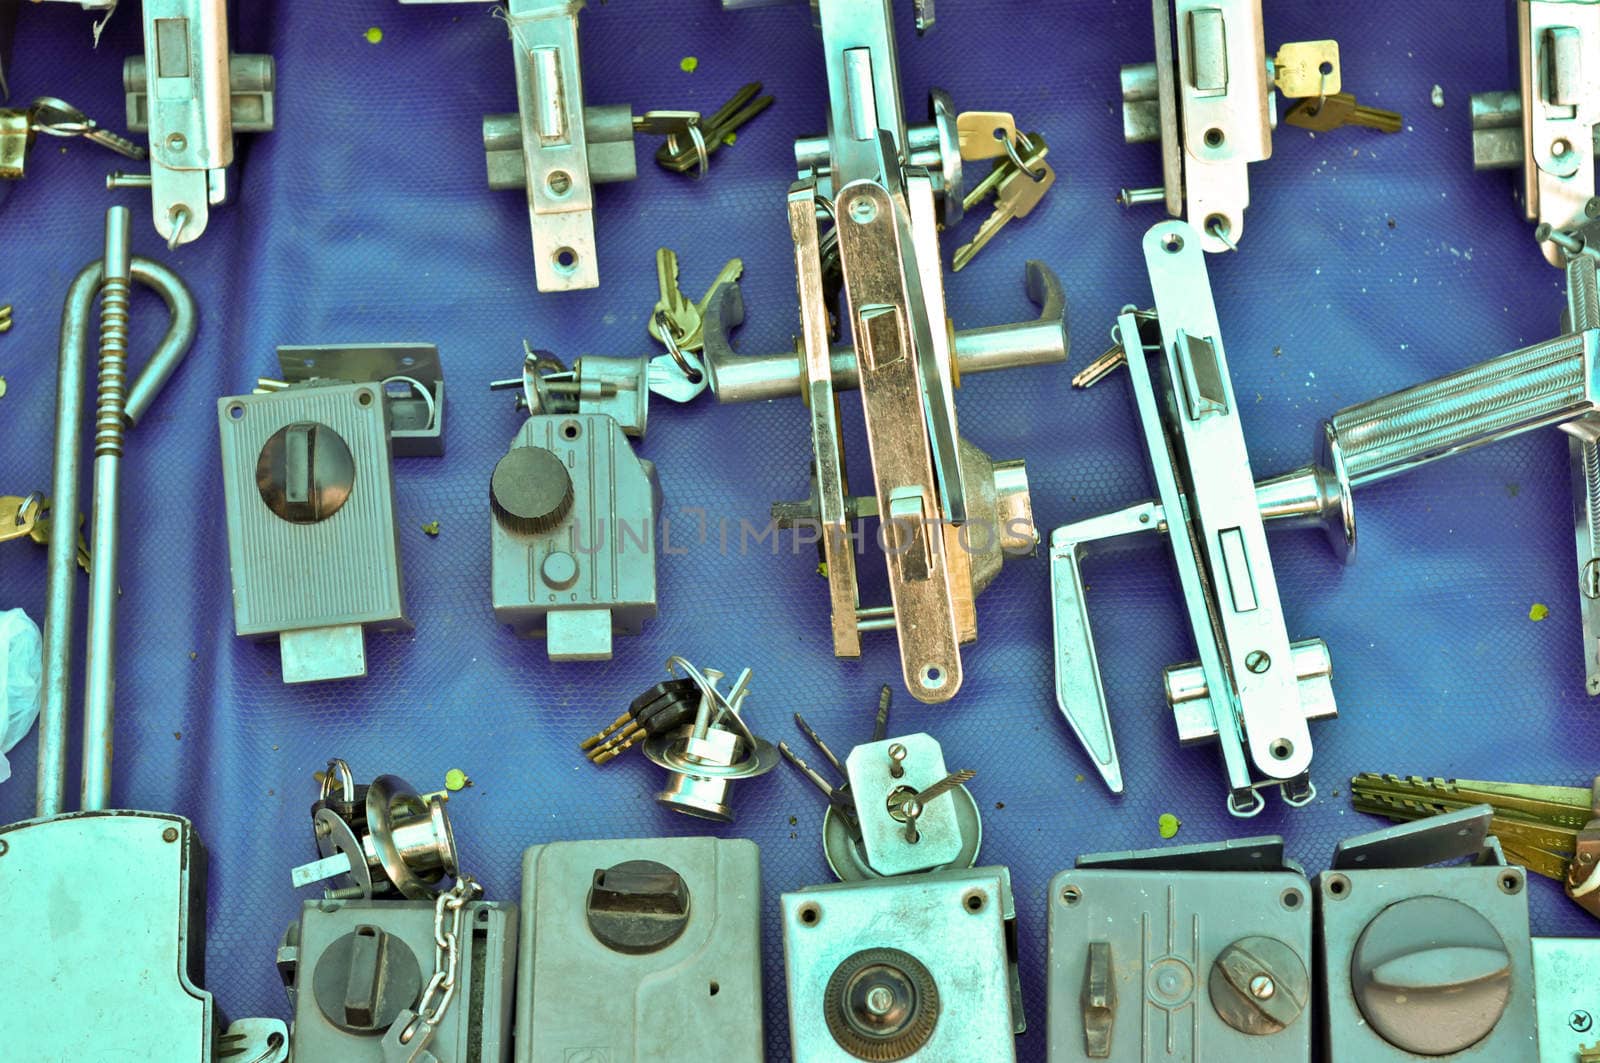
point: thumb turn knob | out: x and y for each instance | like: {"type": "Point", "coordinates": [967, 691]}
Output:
{"type": "Point", "coordinates": [530, 491]}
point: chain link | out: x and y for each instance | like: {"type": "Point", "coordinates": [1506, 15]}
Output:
{"type": "Point", "coordinates": [446, 956]}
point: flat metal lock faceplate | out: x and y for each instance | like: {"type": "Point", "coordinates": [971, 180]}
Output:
{"type": "Point", "coordinates": [573, 549]}
{"type": "Point", "coordinates": [944, 940]}
{"type": "Point", "coordinates": [105, 929]}
{"type": "Point", "coordinates": [877, 790]}
{"type": "Point", "coordinates": [696, 997]}
{"type": "Point", "coordinates": [1180, 965]}
{"type": "Point", "coordinates": [1486, 906]}
{"type": "Point", "coordinates": [316, 580]}
{"type": "Point", "coordinates": [331, 983]}
{"type": "Point", "coordinates": [1567, 996]}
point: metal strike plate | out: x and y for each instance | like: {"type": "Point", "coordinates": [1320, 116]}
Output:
{"type": "Point", "coordinates": [544, 34]}
{"type": "Point", "coordinates": [574, 557]}
{"type": "Point", "coordinates": [581, 999]}
{"type": "Point", "coordinates": [1469, 974]}
{"type": "Point", "coordinates": [878, 794]}
{"type": "Point", "coordinates": [122, 954]}
{"type": "Point", "coordinates": [349, 967]}
{"type": "Point", "coordinates": [320, 576]}
{"type": "Point", "coordinates": [958, 926]}
{"type": "Point", "coordinates": [1199, 953]}
{"type": "Point", "coordinates": [409, 373]}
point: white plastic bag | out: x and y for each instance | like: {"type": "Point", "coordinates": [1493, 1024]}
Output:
{"type": "Point", "coordinates": [21, 671]}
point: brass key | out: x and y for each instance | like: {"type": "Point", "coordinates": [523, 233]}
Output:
{"type": "Point", "coordinates": [1307, 68]}
{"type": "Point", "coordinates": [1338, 110]}
{"type": "Point", "coordinates": [1034, 149]}
{"type": "Point", "coordinates": [732, 271]}
{"type": "Point", "coordinates": [1017, 197]}
{"type": "Point", "coordinates": [673, 309]}
{"type": "Point", "coordinates": [983, 134]}
{"type": "Point", "coordinates": [18, 515]}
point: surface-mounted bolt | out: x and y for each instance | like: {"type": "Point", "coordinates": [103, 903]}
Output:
{"type": "Point", "coordinates": [1580, 1021]}
{"type": "Point", "coordinates": [170, 834]}
{"type": "Point", "coordinates": [1257, 661]}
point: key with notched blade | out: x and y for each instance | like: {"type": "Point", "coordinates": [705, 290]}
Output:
{"type": "Point", "coordinates": [1322, 114]}
{"type": "Point", "coordinates": [1018, 195]}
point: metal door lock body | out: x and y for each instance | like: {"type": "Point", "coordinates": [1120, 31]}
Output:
{"type": "Point", "coordinates": [557, 148]}
{"type": "Point", "coordinates": [882, 185]}
{"type": "Point", "coordinates": [573, 509]}
{"type": "Point", "coordinates": [192, 95]}
{"type": "Point", "coordinates": [1210, 98]}
{"type": "Point", "coordinates": [1184, 954]}
{"type": "Point", "coordinates": [1253, 692]}
{"type": "Point", "coordinates": [640, 949]}
{"type": "Point", "coordinates": [313, 541]}
{"type": "Point", "coordinates": [1549, 124]}
{"type": "Point", "coordinates": [914, 967]}
{"type": "Point", "coordinates": [352, 968]}
{"type": "Point", "coordinates": [1425, 962]}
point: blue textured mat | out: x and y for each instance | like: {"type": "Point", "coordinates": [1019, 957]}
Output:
{"type": "Point", "coordinates": [1369, 262]}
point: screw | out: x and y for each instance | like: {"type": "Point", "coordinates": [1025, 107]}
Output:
{"type": "Point", "coordinates": [170, 834]}
{"type": "Point", "coordinates": [879, 1000]}
{"type": "Point", "coordinates": [897, 754]}
{"type": "Point", "coordinates": [1262, 987]}
{"type": "Point", "coordinates": [1580, 1021]}
{"type": "Point", "coordinates": [912, 808]}
{"type": "Point", "coordinates": [1257, 661]}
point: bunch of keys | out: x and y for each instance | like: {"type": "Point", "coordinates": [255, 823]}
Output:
{"type": "Point", "coordinates": [56, 118]}
{"type": "Point", "coordinates": [709, 134]}
{"type": "Point", "coordinates": [29, 516]}
{"type": "Point", "coordinates": [678, 325]}
{"type": "Point", "coordinates": [1018, 182]}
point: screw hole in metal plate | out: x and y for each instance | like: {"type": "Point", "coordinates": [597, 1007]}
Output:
{"type": "Point", "coordinates": [1337, 887]}
{"type": "Point", "coordinates": [1172, 243]}
{"type": "Point", "coordinates": [570, 430]}
{"type": "Point", "coordinates": [1511, 882]}
{"type": "Point", "coordinates": [810, 914]}
{"type": "Point", "coordinates": [1071, 895]}
{"type": "Point", "coordinates": [975, 900]}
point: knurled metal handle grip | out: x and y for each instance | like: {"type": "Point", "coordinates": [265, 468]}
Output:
{"type": "Point", "coordinates": [1521, 390]}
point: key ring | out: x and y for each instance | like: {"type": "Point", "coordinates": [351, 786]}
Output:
{"type": "Point", "coordinates": [701, 153]}
{"type": "Point", "coordinates": [669, 337]}
{"type": "Point", "coordinates": [1016, 159]}
{"type": "Point", "coordinates": [70, 122]}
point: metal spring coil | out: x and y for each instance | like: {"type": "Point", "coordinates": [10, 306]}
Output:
{"type": "Point", "coordinates": [112, 394]}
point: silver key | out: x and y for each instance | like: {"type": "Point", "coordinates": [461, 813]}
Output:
{"type": "Point", "coordinates": [666, 379]}
{"type": "Point", "coordinates": [58, 118]}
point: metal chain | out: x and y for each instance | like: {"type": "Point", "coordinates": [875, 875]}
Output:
{"type": "Point", "coordinates": [446, 956]}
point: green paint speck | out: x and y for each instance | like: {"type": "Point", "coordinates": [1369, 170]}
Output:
{"type": "Point", "coordinates": [1167, 825]}
{"type": "Point", "coordinates": [1538, 611]}
{"type": "Point", "coordinates": [1512, 489]}
{"type": "Point", "coordinates": [689, 64]}
{"type": "Point", "coordinates": [455, 779]}
{"type": "Point", "coordinates": [730, 138]}
{"type": "Point", "coordinates": [431, 529]}
{"type": "Point", "coordinates": [373, 35]}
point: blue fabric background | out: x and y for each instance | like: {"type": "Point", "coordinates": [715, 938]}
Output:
{"type": "Point", "coordinates": [1369, 262]}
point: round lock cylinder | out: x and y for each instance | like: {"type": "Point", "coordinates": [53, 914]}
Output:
{"type": "Point", "coordinates": [305, 472]}
{"type": "Point", "coordinates": [530, 490]}
{"type": "Point", "coordinates": [1431, 975]}
{"type": "Point", "coordinates": [393, 838]}
{"type": "Point", "coordinates": [365, 979]}
{"type": "Point", "coordinates": [1259, 985]}
{"type": "Point", "coordinates": [881, 1004]}
{"type": "Point", "coordinates": [637, 907]}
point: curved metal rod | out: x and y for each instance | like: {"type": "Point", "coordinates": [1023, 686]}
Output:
{"type": "Point", "coordinates": [71, 386]}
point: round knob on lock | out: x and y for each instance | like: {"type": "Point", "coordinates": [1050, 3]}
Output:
{"type": "Point", "coordinates": [531, 490]}
{"type": "Point", "coordinates": [365, 979]}
{"type": "Point", "coordinates": [638, 906]}
{"type": "Point", "coordinates": [1258, 985]}
{"type": "Point", "coordinates": [1431, 975]}
{"type": "Point", "coordinates": [305, 472]}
